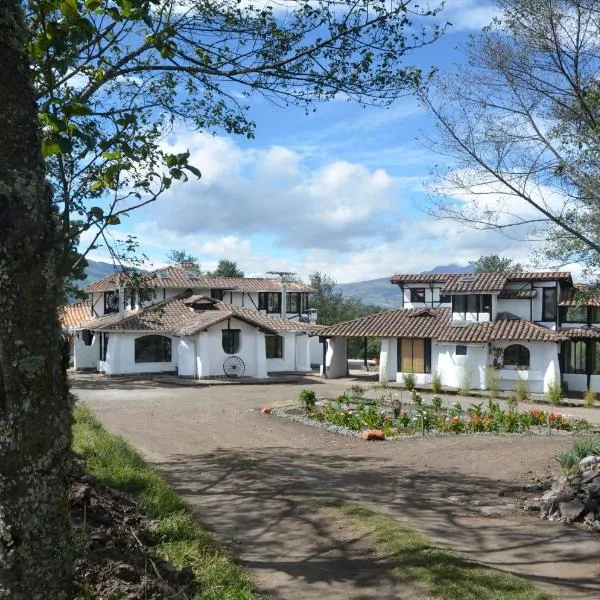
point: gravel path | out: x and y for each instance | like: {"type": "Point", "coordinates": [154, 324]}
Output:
{"type": "Point", "coordinates": [263, 485]}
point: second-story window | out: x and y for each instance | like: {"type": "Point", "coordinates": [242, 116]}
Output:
{"type": "Point", "coordinates": [417, 294]}
{"type": "Point", "coordinates": [549, 304]}
{"type": "Point", "coordinates": [111, 302]}
{"type": "Point", "coordinates": [217, 294]}
{"type": "Point", "coordinates": [269, 301]}
{"type": "Point", "coordinates": [472, 303]}
{"type": "Point", "coordinates": [445, 298]}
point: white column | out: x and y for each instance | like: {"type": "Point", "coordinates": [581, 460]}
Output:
{"type": "Point", "coordinates": [261, 356]}
{"type": "Point", "coordinates": [337, 357]}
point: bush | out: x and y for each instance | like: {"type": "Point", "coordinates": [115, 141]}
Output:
{"type": "Point", "coordinates": [356, 392]}
{"type": "Point", "coordinates": [436, 384]}
{"type": "Point", "coordinates": [465, 385]}
{"type": "Point", "coordinates": [555, 392]}
{"type": "Point", "coordinates": [409, 381]}
{"type": "Point", "coordinates": [569, 460]}
{"type": "Point", "coordinates": [589, 398]}
{"type": "Point", "coordinates": [308, 400]}
{"type": "Point", "coordinates": [436, 402]}
{"type": "Point", "coordinates": [492, 383]}
{"type": "Point", "coordinates": [521, 391]}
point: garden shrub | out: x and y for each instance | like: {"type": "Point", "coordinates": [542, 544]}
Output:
{"type": "Point", "coordinates": [513, 403]}
{"type": "Point", "coordinates": [417, 399]}
{"type": "Point", "coordinates": [589, 398]}
{"type": "Point", "coordinates": [436, 384]}
{"type": "Point", "coordinates": [409, 381]}
{"type": "Point", "coordinates": [569, 459]}
{"type": "Point", "coordinates": [356, 392]}
{"type": "Point", "coordinates": [492, 383]}
{"type": "Point", "coordinates": [308, 400]}
{"type": "Point", "coordinates": [436, 402]}
{"type": "Point", "coordinates": [521, 391]}
{"type": "Point", "coordinates": [465, 384]}
{"type": "Point", "coordinates": [555, 392]}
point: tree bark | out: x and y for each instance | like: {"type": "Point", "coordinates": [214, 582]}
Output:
{"type": "Point", "coordinates": [35, 410]}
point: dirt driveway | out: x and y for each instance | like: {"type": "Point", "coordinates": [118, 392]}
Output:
{"type": "Point", "coordinates": [262, 484]}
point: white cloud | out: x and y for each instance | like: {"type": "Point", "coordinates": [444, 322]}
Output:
{"type": "Point", "coordinates": [468, 15]}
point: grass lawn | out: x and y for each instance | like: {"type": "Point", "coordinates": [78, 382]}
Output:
{"type": "Point", "coordinates": [436, 572]}
{"type": "Point", "coordinates": [178, 538]}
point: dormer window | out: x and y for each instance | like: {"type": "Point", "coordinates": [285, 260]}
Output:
{"type": "Point", "coordinates": [417, 295]}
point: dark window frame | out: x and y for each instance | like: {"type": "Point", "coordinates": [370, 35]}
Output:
{"type": "Point", "coordinates": [153, 349]}
{"type": "Point", "coordinates": [426, 354]}
{"type": "Point", "coordinates": [297, 297]}
{"type": "Point", "coordinates": [461, 350]}
{"type": "Point", "coordinates": [549, 317]}
{"type": "Point", "coordinates": [445, 298]}
{"type": "Point", "coordinates": [103, 345]}
{"type": "Point", "coordinates": [416, 294]}
{"type": "Point", "coordinates": [217, 293]}
{"type": "Point", "coordinates": [274, 346]}
{"type": "Point", "coordinates": [114, 307]}
{"type": "Point", "coordinates": [270, 302]}
{"type": "Point", "coordinates": [521, 358]}
{"type": "Point", "coordinates": [568, 319]}
{"type": "Point", "coordinates": [231, 340]}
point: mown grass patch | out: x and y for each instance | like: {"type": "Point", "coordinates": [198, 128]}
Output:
{"type": "Point", "coordinates": [178, 537]}
{"type": "Point", "coordinates": [436, 572]}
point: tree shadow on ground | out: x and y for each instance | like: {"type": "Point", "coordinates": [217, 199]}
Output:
{"type": "Point", "coordinates": [269, 503]}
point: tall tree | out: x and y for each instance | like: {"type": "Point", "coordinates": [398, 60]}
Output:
{"type": "Point", "coordinates": [35, 411]}
{"type": "Point", "coordinates": [227, 268]}
{"type": "Point", "coordinates": [180, 257]}
{"type": "Point", "coordinates": [492, 263]}
{"type": "Point", "coordinates": [520, 123]}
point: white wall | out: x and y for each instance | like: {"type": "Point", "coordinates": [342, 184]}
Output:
{"type": "Point", "coordinates": [388, 359]}
{"type": "Point", "coordinates": [86, 357]}
{"type": "Point", "coordinates": [316, 350]}
{"type": "Point", "coordinates": [520, 308]}
{"type": "Point", "coordinates": [337, 357]}
{"type": "Point", "coordinates": [288, 362]}
{"type": "Point", "coordinates": [120, 356]}
{"type": "Point", "coordinates": [431, 295]}
{"type": "Point", "coordinates": [455, 370]}
{"type": "Point", "coordinates": [187, 357]}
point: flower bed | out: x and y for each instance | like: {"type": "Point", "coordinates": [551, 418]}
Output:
{"type": "Point", "coordinates": [356, 415]}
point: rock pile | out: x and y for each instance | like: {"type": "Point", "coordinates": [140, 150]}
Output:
{"type": "Point", "coordinates": [575, 499]}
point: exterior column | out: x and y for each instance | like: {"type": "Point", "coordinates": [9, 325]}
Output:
{"type": "Point", "coordinates": [261, 356]}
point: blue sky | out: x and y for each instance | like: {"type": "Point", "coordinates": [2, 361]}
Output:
{"type": "Point", "coordinates": [336, 191]}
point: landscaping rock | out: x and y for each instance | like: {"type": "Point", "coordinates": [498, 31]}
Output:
{"type": "Point", "coordinates": [571, 511]}
{"type": "Point", "coordinates": [589, 462]}
{"type": "Point", "coordinates": [372, 434]}
{"type": "Point", "coordinates": [266, 410]}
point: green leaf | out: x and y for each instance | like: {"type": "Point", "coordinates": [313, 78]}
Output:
{"type": "Point", "coordinates": [96, 212]}
{"type": "Point", "coordinates": [97, 185]}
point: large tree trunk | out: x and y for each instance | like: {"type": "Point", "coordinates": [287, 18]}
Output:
{"type": "Point", "coordinates": [35, 415]}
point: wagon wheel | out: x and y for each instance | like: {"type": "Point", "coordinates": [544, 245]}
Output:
{"type": "Point", "coordinates": [234, 366]}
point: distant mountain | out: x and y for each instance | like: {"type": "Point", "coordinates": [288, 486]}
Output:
{"type": "Point", "coordinates": [380, 292]}
{"type": "Point", "coordinates": [96, 270]}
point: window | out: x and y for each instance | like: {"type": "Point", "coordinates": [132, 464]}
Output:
{"type": "Point", "coordinates": [417, 294]}
{"type": "Point", "coordinates": [576, 314]}
{"type": "Point", "coordinates": [595, 314]}
{"type": "Point", "coordinates": [103, 345]}
{"type": "Point", "coordinates": [87, 337]}
{"type": "Point", "coordinates": [459, 304]}
{"type": "Point", "coordinates": [460, 350]}
{"type": "Point", "coordinates": [230, 340]}
{"type": "Point", "coordinates": [549, 304]}
{"type": "Point", "coordinates": [294, 303]}
{"type": "Point", "coordinates": [414, 355]}
{"type": "Point", "coordinates": [516, 356]}
{"type": "Point", "coordinates": [152, 348]}
{"type": "Point", "coordinates": [575, 353]}
{"type": "Point", "coordinates": [445, 298]}
{"type": "Point", "coordinates": [274, 345]}
{"type": "Point", "coordinates": [146, 295]}
{"type": "Point", "coordinates": [472, 303]}
{"type": "Point", "coordinates": [111, 302]}
{"type": "Point", "coordinates": [269, 301]}
{"type": "Point", "coordinates": [217, 294]}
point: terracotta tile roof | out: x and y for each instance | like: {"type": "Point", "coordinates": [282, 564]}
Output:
{"type": "Point", "coordinates": [435, 323]}
{"type": "Point", "coordinates": [475, 282]}
{"type": "Point", "coordinates": [508, 329]}
{"type": "Point", "coordinates": [517, 294]}
{"type": "Point", "coordinates": [578, 296]}
{"type": "Point", "coordinates": [421, 277]}
{"type": "Point", "coordinates": [72, 315]}
{"type": "Point", "coordinates": [581, 333]}
{"type": "Point", "coordinates": [402, 322]}
{"type": "Point", "coordinates": [564, 276]}
{"type": "Point", "coordinates": [176, 277]}
{"type": "Point", "coordinates": [179, 316]}
{"type": "Point", "coordinates": [97, 323]}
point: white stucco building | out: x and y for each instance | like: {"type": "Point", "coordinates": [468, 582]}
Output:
{"type": "Point", "coordinates": [522, 326]}
{"type": "Point", "coordinates": [214, 328]}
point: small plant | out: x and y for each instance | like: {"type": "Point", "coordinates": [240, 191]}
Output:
{"type": "Point", "coordinates": [308, 400]}
{"type": "Point", "coordinates": [569, 459]}
{"type": "Point", "coordinates": [436, 384]}
{"type": "Point", "coordinates": [436, 402]}
{"type": "Point", "coordinates": [589, 398]}
{"type": "Point", "coordinates": [409, 381]}
{"type": "Point", "coordinates": [512, 403]}
{"type": "Point", "coordinates": [492, 383]}
{"type": "Point", "coordinates": [465, 385]}
{"type": "Point", "coordinates": [521, 391]}
{"type": "Point", "coordinates": [356, 392]}
{"type": "Point", "coordinates": [475, 409]}
{"type": "Point", "coordinates": [417, 399]}
{"type": "Point", "coordinates": [555, 392]}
